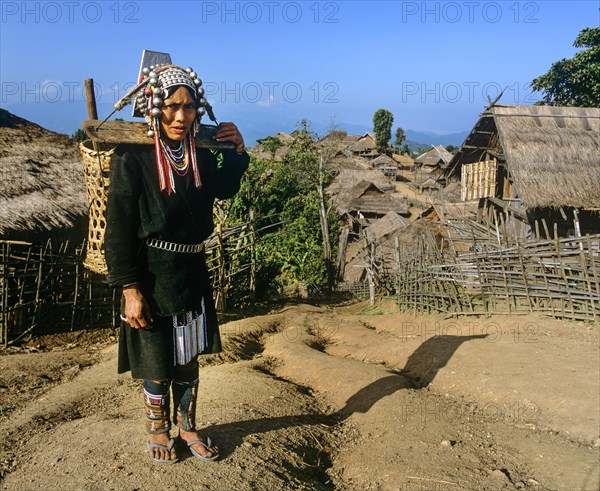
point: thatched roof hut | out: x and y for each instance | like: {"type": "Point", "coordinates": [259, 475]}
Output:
{"type": "Point", "coordinates": [451, 193]}
{"type": "Point", "coordinates": [387, 225]}
{"type": "Point", "coordinates": [368, 199]}
{"type": "Point", "coordinates": [348, 177]}
{"type": "Point", "coordinates": [383, 161]}
{"type": "Point", "coordinates": [437, 156]}
{"type": "Point", "coordinates": [403, 160]}
{"type": "Point", "coordinates": [533, 158]}
{"type": "Point", "coordinates": [427, 186]}
{"type": "Point", "coordinates": [366, 145]}
{"type": "Point", "coordinates": [386, 165]}
{"type": "Point", "coordinates": [284, 137]}
{"type": "Point", "coordinates": [42, 187]}
{"type": "Point", "coordinates": [263, 153]}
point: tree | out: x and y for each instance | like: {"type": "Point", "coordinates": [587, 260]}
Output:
{"type": "Point", "coordinates": [400, 137]}
{"type": "Point", "coordinates": [382, 125]}
{"type": "Point", "coordinates": [79, 136]}
{"type": "Point", "coordinates": [574, 81]}
{"type": "Point", "coordinates": [271, 144]}
{"type": "Point", "coordinates": [290, 194]}
{"type": "Point", "coordinates": [452, 149]}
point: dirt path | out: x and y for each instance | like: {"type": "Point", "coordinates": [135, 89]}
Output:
{"type": "Point", "coordinates": [318, 398]}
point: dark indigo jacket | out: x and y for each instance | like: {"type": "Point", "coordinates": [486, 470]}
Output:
{"type": "Point", "coordinates": [137, 209]}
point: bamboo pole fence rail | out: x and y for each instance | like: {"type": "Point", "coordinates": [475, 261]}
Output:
{"type": "Point", "coordinates": [559, 276]}
{"type": "Point", "coordinates": [45, 288]}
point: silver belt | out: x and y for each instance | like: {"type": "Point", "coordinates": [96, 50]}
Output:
{"type": "Point", "coordinates": [173, 247]}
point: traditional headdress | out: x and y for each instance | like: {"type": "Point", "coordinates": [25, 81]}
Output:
{"type": "Point", "coordinates": [160, 79]}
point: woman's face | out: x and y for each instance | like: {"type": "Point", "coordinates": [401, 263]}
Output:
{"type": "Point", "coordinates": [178, 114]}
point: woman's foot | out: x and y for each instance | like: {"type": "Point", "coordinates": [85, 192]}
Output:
{"type": "Point", "coordinates": [161, 448]}
{"type": "Point", "coordinates": [203, 449]}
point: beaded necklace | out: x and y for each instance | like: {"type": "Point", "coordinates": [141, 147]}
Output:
{"type": "Point", "coordinates": [176, 157]}
{"type": "Point", "coordinates": [179, 159]}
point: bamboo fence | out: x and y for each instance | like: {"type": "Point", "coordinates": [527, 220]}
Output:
{"type": "Point", "coordinates": [46, 288]}
{"type": "Point", "coordinates": [559, 277]}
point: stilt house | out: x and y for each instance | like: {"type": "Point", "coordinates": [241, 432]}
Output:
{"type": "Point", "coordinates": [534, 169]}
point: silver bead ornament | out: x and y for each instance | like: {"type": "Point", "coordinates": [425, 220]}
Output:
{"type": "Point", "coordinates": [198, 82]}
{"type": "Point", "coordinates": [200, 92]}
{"type": "Point", "coordinates": [188, 70]}
{"type": "Point", "coordinates": [153, 81]}
{"type": "Point", "coordinates": [152, 74]}
{"type": "Point", "coordinates": [156, 112]}
{"type": "Point", "coordinates": [151, 67]}
{"type": "Point", "coordinates": [201, 111]}
{"type": "Point", "coordinates": [203, 101]}
{"type": "Point", "coordinates": [157, 91]}
{"type": "Point", "coordinates": [150, 133]}
{"type": "Point", "coordinates": [193, 75]}
{"type": "Point", "coordinates": [145, 70]}
{"type": "Point", "coordinates": [157, 101]}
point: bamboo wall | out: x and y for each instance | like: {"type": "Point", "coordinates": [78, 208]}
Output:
{"type": "Point", "coordinates": [478, 180]}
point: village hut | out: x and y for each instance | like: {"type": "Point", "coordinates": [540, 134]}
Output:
{"type": "Point", "coordinates": [450, 193]}
{"type": "Point", "coordinates": [42, 191]}
{"type": "Point", "coordinates": [263, 153]}
{"type": "Point", "coordinates": [427, 186]}
{"type": "Point", "coordinates": [403, 159]}
{"type": "Point", "coordinates": [348, 177]}
{"type": "Point", "coordinates": [335, 143]}
{"type": "Point", "coordinates": [386, 165]}
{"type": "Point", "coordinates": [435, 157]}
{"type": "Point", "coordinates": [365, 146]}
{"type": "Point", "coordinates": [431, 165]}
{"type": "Point", "coordinates": [386, 226]}
{"type": "Point", "coordinates": [353, 268]}
{"type": "Point", "coordinates": [284, 137]}
{"type": "Point", "coordinates": [43, 224]}
{"type": "Point", "coordinates": [534, 168]}
{"type": "Point", "coordinates": [366, 199]}
{"type": "Point", "coordinates": [335, 136]}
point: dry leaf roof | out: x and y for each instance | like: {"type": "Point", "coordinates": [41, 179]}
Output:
{"type": "Point", "coordinates": [42, 185]}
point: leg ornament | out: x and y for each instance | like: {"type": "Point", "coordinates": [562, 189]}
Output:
{"type": "Point", "coordinates": [184, 402]}
{"type": "Point", "coordinates": [157, 408]}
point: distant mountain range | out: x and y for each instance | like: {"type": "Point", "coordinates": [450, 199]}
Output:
{"type": "Point", "coordinates": [65, 117]}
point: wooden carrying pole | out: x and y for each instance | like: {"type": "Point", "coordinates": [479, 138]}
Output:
{"type": "Point", "coordinates": [90, 101]}
{"type": "Point", "coordinates": [90, 98]}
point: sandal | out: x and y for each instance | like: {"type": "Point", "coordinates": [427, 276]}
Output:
{"type": "Point", "coordinates": [206, 445]}
{"type": "Point", "coordinates": [165, 447]}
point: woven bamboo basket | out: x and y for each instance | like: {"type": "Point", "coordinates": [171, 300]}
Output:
{"type": "Point", "coordinates": [96, 166]}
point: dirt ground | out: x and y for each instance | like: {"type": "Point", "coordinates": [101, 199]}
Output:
{"type": "Point", "coordinates": [316, 398]}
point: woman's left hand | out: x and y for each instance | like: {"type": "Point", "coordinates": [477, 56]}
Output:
{"type": "Point", "coordinates": [230, 133]}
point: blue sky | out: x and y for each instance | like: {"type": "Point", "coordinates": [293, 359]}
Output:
{"type": "Point", "coordinates": [267, 64]}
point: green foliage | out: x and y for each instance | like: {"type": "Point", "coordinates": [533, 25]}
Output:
{"type": "Point", "coordinates": [271, 144]}
{"type": "Point", "coordinates": [286, 191]}
{"type": "Point", "coordinates": [382, 126]}
{"type": "Point", "coordinates": [574, 81]}
{"type": "Point", "coordinates": [452, 149]}
{"type": "Point", "coordinates": [79, 136]}
{"type": "Point", "coordinates": [405, 150]}
{"type": "Point", "coordinates": [400, 137]}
